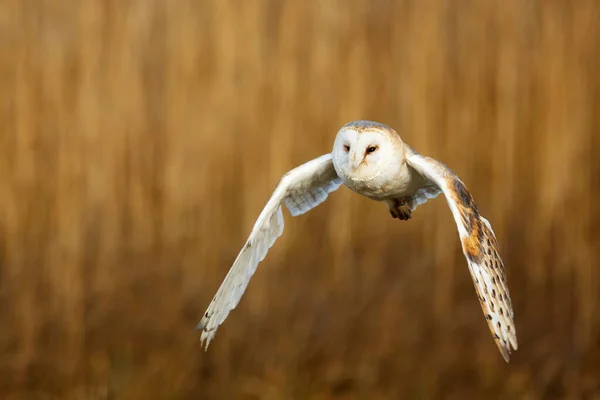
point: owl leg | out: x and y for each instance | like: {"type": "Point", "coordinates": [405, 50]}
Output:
{"type": "Point", "coordinates": [400, 208]}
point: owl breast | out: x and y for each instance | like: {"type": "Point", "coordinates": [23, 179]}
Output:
{"type": "Point", "coordinates": [394, 182]}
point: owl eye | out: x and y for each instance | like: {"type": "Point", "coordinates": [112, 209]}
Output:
{"type": "Point", "coordinates": [371, 149]}
{"type": "Point", "coordinates": [346, 148]}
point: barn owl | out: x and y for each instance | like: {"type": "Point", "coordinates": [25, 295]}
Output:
{"type": "Point", "coordinates": [371, 159]}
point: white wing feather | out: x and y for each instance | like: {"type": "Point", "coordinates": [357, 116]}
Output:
{"type": "Point", "coordinates": [480, 248]}
{"type": "Point", "coordinates": [301, 189]}
{"type": "Point", "coordinates": [423, 194]}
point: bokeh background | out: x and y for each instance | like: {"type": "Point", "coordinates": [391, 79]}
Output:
{"type": "Point", "coordinates": [140, 139]}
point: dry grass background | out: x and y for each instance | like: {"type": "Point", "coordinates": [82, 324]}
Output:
{"type": "Point", "coordinates": [139, 140]}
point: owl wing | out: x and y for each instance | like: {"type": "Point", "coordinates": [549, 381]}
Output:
{"type": "Point", "coordinates": [300, 189]}
{"type": "Point", "coordinates": [480, 248]}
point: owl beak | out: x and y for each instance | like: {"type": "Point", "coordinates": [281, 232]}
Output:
{"type": "Point", "coordinates": [355, 161]}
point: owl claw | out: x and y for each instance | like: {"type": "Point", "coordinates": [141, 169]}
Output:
{"type": "Point", "coordinates": [400, 209]}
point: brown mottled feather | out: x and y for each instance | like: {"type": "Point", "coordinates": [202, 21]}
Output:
{"type": "Point", "coordinates": [481, 250]}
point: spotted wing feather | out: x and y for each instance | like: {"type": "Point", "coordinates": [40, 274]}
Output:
{"type": "Point", "coordinates": [300, 189]}
{"type": "Point", "coordinates": [481, 250]}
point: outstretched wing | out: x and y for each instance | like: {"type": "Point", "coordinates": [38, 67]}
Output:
{"type": "Point", "coordinates": [300, 189]}
{"type": "Point", "coordinates": [480, 248]}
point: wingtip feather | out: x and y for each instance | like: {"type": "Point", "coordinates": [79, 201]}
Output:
{"type": "Point", "coordinates": [206, 338]}
{"type": "Point", "coordinates": [513, 342]}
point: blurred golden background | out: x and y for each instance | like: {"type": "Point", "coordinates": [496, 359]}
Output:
{"type": "Point", "coordinates": [140, 139]}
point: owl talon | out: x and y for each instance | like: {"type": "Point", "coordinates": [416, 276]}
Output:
{"type": "Point", "coordinates": [401, 210]}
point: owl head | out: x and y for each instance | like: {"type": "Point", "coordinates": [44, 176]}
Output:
{"type": "Point", "coordinates": [363, 150]}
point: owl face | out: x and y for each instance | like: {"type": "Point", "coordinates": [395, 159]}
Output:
{"type": "Point", "coordinates": [364, 154]}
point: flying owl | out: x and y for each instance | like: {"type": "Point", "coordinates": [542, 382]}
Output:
{"type": "Point", "coordinates": [371, 159]}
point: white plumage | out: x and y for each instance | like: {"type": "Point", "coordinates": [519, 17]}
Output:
{"type": "Point", "coordinates": [300, 190]}
{"type": "Point", "coordinates": [371, 159]}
